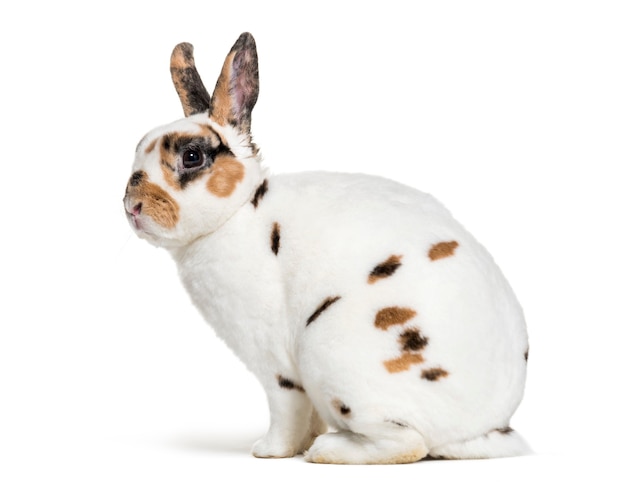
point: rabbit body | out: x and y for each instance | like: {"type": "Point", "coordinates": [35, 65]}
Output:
{"type": "Point", "coordinates": [358, 302]}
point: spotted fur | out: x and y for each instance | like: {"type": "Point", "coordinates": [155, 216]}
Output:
{"type": "Point", "coordinates": [259, 193]}
{"type": "Point", "coordinates": [288, 384]}
{"type": "Point", "coordinates": [275, 238]}
{"type": "Point", "coordinates": [385, 269]}
{"type": "Point", "coordinates": [413, 340]}
{"type": "Point", "coordinates": [403, 362]}
{"type": "Point", "coordinates": [392, 358]}
{"type": "Point", "coordinates": [342, 408]}
{"type": "Point", "coordinates": [442, 250]}
{"type": "Point", "coordinates": [434, 374]}
{"type": "Point", "coordinates": [321, 308]}
{"type": "Point", "coordinates": [393, 315]}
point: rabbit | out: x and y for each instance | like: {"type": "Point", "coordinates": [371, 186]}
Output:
{"type": "Point", "coordinates": [359, 303]}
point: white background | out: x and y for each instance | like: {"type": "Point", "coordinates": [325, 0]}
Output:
{"type": "Point", "coordinates": [511, 113]}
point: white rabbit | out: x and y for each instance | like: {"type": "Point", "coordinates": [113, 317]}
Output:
{"type": "Point", "coordinates": [358, 302]}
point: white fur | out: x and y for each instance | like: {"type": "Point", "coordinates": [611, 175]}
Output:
{"type": "Point", "coordinates": [334, 229]}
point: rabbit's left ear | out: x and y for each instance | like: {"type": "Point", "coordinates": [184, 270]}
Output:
{"type": "Point", "coordinates": [191, 90]}
{"type": "Point", "coordinates": [237, 88]}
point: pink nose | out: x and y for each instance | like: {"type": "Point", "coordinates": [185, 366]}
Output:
{"type": "Point", "coordinates": [137, 209]}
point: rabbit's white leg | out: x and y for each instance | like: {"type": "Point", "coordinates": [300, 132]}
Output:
{"type": "Point", "coordinates": [294, 423]}
{"type": "Point", "coordinates": [384, 443]}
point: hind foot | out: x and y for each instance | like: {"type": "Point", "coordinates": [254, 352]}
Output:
{"type": "Point", "coordinates": [402, 447]}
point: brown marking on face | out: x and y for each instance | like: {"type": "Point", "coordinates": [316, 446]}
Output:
{"type": "Point", "coordinates": [434, 374]}
{"type": "Point", "coordinates": [150, 147]}
{"type": "Point", "coordinates": [442, 250]}
{"type": "Point", "coordinates": [325, 304]}
{"type": "Point", "coordinates": [226, 173]}
{"type": "Point", "coordinates": [403, 363]}
{"type": "Point", "coordinates": [288, 384]}
{"type": "Point", "coordinates": [413, 340]}
{"type": "Point", "coordinates": [342, 408]}
{"type": "Point", "coordinates": [385, 269]}
{"type": "Point", "coordinates": [393, 315]}
{"type": "Point", "coordinates": [168, 160]}
{"type": "Point", "coordinates": [259, 193]}
{"type": "Point", "coordinates": [275, 238]}
{"type": "Point", "coordinates": [221, 107]}
{"type": "Point", "coordinates": [504, 430]}
{"type": "Point", "coordinates": [155, 201]}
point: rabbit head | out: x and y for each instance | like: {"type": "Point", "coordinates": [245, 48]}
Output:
{"type": "Point", "coordinates": [192, 175]}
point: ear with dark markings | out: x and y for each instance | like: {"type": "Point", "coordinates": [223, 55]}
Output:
{"type": "Point", "coordinates": [237, 88]}
{"type": "Point", "coordinates": [189, 86]}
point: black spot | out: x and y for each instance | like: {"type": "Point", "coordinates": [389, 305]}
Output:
{"type": "Point", "coordinates": [136, 178]}
{"type": "Point", "coordinates": [325, 304]}
{"type": "Point", "coordinates": [412, 340]}
{"type": "Point", "coordinates": [385, 269]}
{"type": "Point", "coordinates": [275, 238]}
{"type": "Point", "coordinates": [288, 384]}
{"type": "Point", "coordinates": [260, 192]}
{"type": "Point", "coordinates": [166, 143]}
{"type": "Point", "coordinates": [526, 355]}
{"type": "Point", "coordinates": [399, 424]}
{"type": "Point", "coordinates": [186, 177]}
{"type": "Point", "coordinates": [434, 374]}
{"type": "Point", "coordinates": [344, 410]}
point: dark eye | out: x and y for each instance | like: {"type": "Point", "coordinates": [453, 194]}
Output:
{"type": "Point", "coordinates": [192, 157]}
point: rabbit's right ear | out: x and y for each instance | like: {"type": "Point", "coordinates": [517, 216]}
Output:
{"type": "Point", "coordinates": [237, 88]}
{"type": "Point", "coordinates": [191, 90]}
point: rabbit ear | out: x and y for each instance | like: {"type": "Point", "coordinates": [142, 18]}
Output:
{"type": "Point", "coordinates": [237, 88]}
{"type": "Point", "coordinates": [191, 91]}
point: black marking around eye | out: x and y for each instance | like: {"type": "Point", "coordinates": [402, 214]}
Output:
{"type": "Point", "coordinates": [177, 144]}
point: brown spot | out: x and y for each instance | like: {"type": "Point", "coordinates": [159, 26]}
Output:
{"type": "Point", "coordinates": [155, 202]}
{"type": "Point", "coordinates": [288, 384]}
{"type": "Point", "coordinates": [341, 408]}
{"type": "Point", "coordinates": [442, 250]}
{"type": "Point", "coordinates": [168, 160]}
{"type": "Point", "coordinates": [150, 147]}
{"type": "Point", "coordinates": [505, 430]}
{"type": "Point", "coordinates": [226, 173]}
{"type": "Point", "coordinates": [260, 192]}
{"type": "Point", "coordinates": [393, 316]}
{"type": "Point", "coordinates": [403, 363]}
{"type": "Point", "coordinates": [434, 374]}
{"type": "Point", "coordinates": [526, 354]}
{"type": "Point", "coordinates": [412, 340]}
{"type": "Point", "coordinates": [275, 238]}
{"type": "Point", "coordinates": [325, 304]}
{"type": "Point", "coordinates": [385, 269]}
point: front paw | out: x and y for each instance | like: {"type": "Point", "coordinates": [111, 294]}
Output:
{"type": "Point", "coordinates": [266, 448]}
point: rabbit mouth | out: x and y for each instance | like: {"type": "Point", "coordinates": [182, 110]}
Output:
{"type": "Point", "coordinates": [134, 217]}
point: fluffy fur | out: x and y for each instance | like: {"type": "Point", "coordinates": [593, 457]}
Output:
{"type": "Point", "coordinates": [358, 302]}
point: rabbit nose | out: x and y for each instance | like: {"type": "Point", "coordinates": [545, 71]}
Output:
{"type": "Point", "coordinates": [136, 209]}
